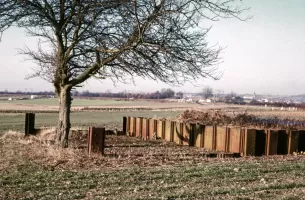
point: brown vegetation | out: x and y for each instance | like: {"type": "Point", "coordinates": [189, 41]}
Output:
{"type": "Point", "coordinates": [121, 151]}
{"type": "Point", "coordinates": [239, 119]}
{"type": "Point", "coordinates": [33, 168]}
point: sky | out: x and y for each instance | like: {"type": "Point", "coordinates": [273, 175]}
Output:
{"type": "Point", "coordinates": [265, 55]}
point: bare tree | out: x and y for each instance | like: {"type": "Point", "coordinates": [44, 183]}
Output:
{"type": "Point", "coordinates": [207, 92]}
{"type": "Point", "coordinates": [117, 39]}
{"type": "Point", "coordinates": [167, 93]}
{"type": "Point", "coordinates": [180, 95]}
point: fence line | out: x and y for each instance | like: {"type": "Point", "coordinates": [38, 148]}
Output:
{"type": "Point", "coordinates": [245, 141]}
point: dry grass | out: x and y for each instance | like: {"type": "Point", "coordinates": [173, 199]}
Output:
{"type": "Point", "coordinates": [33, 168]}
{"type": "Point", "coordinates": [300, 114]}
{"type": "Point", "coordinates": [120, 152]}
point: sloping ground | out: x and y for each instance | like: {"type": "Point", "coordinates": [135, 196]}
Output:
{"type": "Point", "coordinates": [239, 119]}
{"type": "Point", "coordinates": [32, 168]}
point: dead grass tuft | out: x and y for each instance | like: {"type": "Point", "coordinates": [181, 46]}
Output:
{"type": "Point", "coordinates": [11, 135]}
{"type": "Point", "coordinates": [40, 148]}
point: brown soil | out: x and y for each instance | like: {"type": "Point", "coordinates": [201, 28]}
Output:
{"type": "Point", "coordinates": [120, 152]}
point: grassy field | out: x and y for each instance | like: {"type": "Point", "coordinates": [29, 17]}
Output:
{"type": "Point", "coordinates": [32, 168]}
{"type": "Point", "coordinates": [88, 102]}
{"type": "Point", "coordinates": [79, 119]}
{"type": "Point", "coordinates": [133, 169]}
{"type": "Point", "coordinates": [76, 102]}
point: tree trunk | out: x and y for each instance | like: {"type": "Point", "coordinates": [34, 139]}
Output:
{"type": "Point", "coordinates": [64, 124]}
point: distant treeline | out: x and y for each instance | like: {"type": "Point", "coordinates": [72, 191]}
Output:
{"type": "Point", "coordinates": [42, 93]}
{"type": "Point", "coordinates": [163, 94]}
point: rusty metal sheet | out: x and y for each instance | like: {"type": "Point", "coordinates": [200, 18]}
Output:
{"type": "Point", "coordinates": [249, 144]}
{"type": "Point", "coordinates": [127, 126]}
{"type": "Point", "coordinates": [186, 134]}
{"type": "Point", "coordinates": [160, 129]}
{"type": "Point", "coordinates": [293, 141]}
{"type": "Point", "coordinates": [198, 135]}
{"type": "Point", "coordinates": [168, 131]}
{"type": "Point", "coordinates": [242, 141]}
{"type": "Point", "coordinates": [221, 138]}
{"type": "Point", "coordinates": [152, 128]}
{"type": "Point", "coordinates": [178, 132]}
{"type": "Point", "coordinates": [282, 144]}
{"type": "Point", "coordinates": [301, 146]}
{"type": "Point", "coordinates": [209, 137]}
{"type": "Point", "coordinates": [272, 142]}
{"type": "Point", "coordinates": [139, 127]}
{"type": "Point", "coordinates": [145, 124]}
{"type": "Point", "coordinates": [96, 140]}
{"type": "Point", "coordinates": [235, 140]}
{"type": "Point", "coordinates": [132, 126]}
{"type": "Point", "coordinates": [192, 134]}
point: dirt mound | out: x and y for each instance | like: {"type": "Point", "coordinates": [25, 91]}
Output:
{"type": "Point", "coordinates": [207, 118]}
{"type": "Point", "coordinates": [240, 119]}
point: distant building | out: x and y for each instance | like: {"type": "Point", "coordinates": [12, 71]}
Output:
{"type": "Point", "coordinates": [264, 100]}
{"type": "Point", "coordinates": [248, 98]}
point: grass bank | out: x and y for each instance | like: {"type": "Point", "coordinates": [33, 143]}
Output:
{"type": "Point", "coordinates": [12, 121]}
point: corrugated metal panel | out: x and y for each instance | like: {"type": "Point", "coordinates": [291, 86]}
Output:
{"type": "Point", "coordinates": [221, 138]}
{"type": "Point", "coordinates": [152, 128]}
{"type": "Point", "coordinates": [145, 126]}
{"type": "Point", "coordinates": [250, 139]}
{"type": "Point", "coordinates": [209, 137]}
{"type": "Point", "coordinates": [272, 142]}
{"type": "Point", "coordinates": [168, 131]}
{"type": "Point", "coordinates": [235, 136]}
{"type": "Point", "coordinates": [198, 135]}
{"type": "Point", "coordinates": [293, 141]}
{"type": "Point", "coordinates": [160, 129]}
{"type": "Point", "coordinates": [132, 126]}
{"type": "Point", "coordinates": [127, 126]}
{"type": "Point", "coordinates": [178, 133]}
{"type": "Point", "coordinates": [186, 134]}
{"type": "Point", "coordinates": [139, 127]}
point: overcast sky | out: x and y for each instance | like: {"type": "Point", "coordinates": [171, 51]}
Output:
{"type": "Point", "coordinates": [265, 55]}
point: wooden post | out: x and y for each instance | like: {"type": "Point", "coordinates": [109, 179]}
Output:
{"type": "Point", "coordinates": [29, 124]}
{"type": "Point", "coordinates": [96, 140]}
{"type": "Point", "coordinates": [124, 125]}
